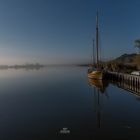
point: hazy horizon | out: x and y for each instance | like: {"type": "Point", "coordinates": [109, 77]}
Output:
{"type": "Point", "coordinates": [61, 32]}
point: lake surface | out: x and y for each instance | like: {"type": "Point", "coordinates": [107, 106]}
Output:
{"type": "Point", "coordinates": [62, 103]}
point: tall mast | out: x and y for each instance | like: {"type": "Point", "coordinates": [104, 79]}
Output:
{"type": "Point", "coordinates": [97, 39]}
{"type": "Point", "coordinates": [93, 57]}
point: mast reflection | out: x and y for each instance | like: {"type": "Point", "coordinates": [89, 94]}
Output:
{"type": "Point", "coordinates": [99, 90]}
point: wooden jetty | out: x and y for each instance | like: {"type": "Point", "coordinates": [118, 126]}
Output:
{"type": "Point", "coordinates": [126, 81]}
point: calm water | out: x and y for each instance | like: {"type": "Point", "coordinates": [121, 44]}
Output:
{"type": "Point", "coordinates": [61, 103]}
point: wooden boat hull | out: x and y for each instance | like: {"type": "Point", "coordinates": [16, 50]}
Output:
{"type": "Point", "coordinates": [96, 75]}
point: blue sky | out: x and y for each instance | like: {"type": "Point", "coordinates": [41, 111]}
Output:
{"type": "Point", "coordinates": [61, 31]}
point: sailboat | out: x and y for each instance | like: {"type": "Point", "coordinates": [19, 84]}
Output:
{"type": "Point", "coordinates": [96, 73]}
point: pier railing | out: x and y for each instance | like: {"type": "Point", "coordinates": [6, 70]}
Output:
{"type": "Point", "coordinates": [126, 81]}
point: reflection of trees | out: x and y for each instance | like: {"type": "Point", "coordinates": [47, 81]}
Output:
{"type": "Point", "coordinates": [3, 67]}
{"type": "Point", "coordinates": [35, 66]}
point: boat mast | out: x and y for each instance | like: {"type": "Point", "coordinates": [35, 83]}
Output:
{"type": "Point", "coordinates": [93, 57]}
{"type": "Point", "coordinates": [97, 39]}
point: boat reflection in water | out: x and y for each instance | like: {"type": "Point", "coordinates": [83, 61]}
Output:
{"type": "Point", "coordinates": [99, 84]}
{"type": "Point", "coordinates": [99, 90]}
